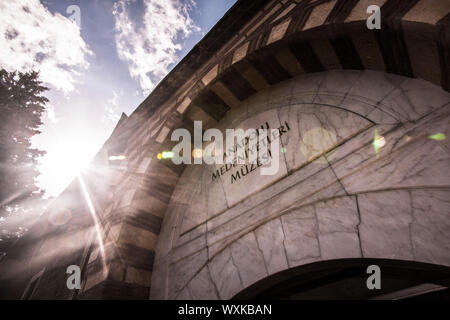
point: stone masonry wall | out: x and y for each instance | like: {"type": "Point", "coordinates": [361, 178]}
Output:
{"type": "Point", "coordinates": [334, 196]}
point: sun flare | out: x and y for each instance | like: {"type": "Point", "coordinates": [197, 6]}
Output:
{"type": "Point", "coordinates": [65, 160]}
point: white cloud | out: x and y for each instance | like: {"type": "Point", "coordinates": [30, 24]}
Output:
{"type": "Point", "coordinates": [111, 114]}
{"type": "Point", "coordinates": [111, 109]}
{"type": "Point", "coordinates": [31, 37]}
{"type": "Point", "coordinates": [150, 48]}
{"type": "Point", "coordinates": [115, 99]}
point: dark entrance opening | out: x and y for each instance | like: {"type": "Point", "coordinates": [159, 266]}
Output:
{"type": "Point", "coordinates": [347, 279]}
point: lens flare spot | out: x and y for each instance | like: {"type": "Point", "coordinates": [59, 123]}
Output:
{"type": "Point", "coordinates": [283, 150]}
{"type": "Point", "coordinates": [73, 240]}
{"type": "Point", "coordinates": [60, 217]}
{"type": "Point", "coordinates": [316, 142]}
{"type": "Point", "coordinates": [378, 142]}
{"type": "Point", "coordinates": [438, 136]}
{"type": "Point", "coordinates": [115, 158]}
{"type": "Point", "coordinates": [197, 153]}
{"type": "Point", "coordinates": [167, 154]}
{"type": "Point", "coordinates": [96, 222]}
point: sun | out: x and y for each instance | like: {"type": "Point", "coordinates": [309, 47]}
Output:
{"type": "Point", "coordinates": [66, 157]}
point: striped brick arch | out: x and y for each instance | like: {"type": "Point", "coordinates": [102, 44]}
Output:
{"type": "Point", "coordinates": [285, 40]}
{"type": "Point", "coordinates": [318, 36]}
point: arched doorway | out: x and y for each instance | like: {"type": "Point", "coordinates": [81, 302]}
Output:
{"type": "Point", "coordinates": [346, 279]}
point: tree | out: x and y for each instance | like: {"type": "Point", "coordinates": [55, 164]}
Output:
{"type": "Point", "coordinates": [21, 107]}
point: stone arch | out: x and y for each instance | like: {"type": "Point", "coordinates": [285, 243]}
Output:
{"type": "Point", "coordinates": [355, 203]}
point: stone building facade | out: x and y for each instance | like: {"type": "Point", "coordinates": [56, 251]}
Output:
{"type": "Point", "coordinates": [338, 203]}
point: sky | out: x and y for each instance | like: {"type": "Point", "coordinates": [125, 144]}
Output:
{"type": "Point", "coordinates": [98, 58]}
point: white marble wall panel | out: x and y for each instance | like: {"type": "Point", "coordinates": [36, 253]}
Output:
{"type": "Point", "coordinates": [306, 88]}
{"type": "Point", "coordinates": [270, 237]}
{"type": "Point", "coordinates": [301, 242]}
{"type": "Point", "coordinates": [316, 129]}
{"type": "Point", "coordinates": [201, 287]}
{"type": "Point", "coordinates": [385, 221]}
{"type": "Point", "coordinates": [280, 95]}
{"type": "Point", "coordinates": [368, 110]}
{"type": "Point", "coordinates": [422, 162]}
{"type": "Point", "coordinates": [249, 259]}
{"type": "Point", "coordinates": [182, 271]}
{"type": "Point", "coordinates": [338, 228]}
{"type": "Point", "coordinates": [413, 99]}
{"type": "Point", "coordinates": [408, 158]}
{"type": "Point", "coordinates": [225, 275]}
{"type": "Point", "coordinates": [430, 228]}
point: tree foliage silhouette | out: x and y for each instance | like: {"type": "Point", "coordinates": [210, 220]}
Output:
{"type": "Point", "coordinates": [21, 107]}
